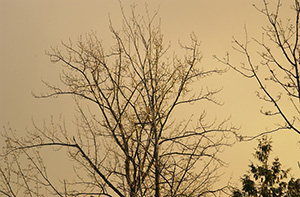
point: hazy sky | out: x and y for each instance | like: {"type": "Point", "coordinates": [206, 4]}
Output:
{"type": "Point", "coordinates": [28, 28]}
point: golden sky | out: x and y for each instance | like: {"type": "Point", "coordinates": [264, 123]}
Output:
{"type": "Point", "coordinates": [28, 28]}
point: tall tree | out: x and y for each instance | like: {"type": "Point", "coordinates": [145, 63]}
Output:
{"type": "Point", "coordinates": [128, 143]}
{"type": "Point", "coordinates": [265, 179]}
{"type": "Point", "coordinates": [276, 67]}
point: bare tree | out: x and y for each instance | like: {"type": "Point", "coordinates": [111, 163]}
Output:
{"type": "Point", "coordinates": [276, 67]}
{"type": "Point", "coordinates": [128, 142]}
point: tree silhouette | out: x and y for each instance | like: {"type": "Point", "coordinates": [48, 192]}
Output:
{"type": "Point", "coordinates": [265, 179]}
{"type": "Point", "coordinates": [127, 142]}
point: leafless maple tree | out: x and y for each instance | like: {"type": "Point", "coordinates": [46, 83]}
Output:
{"type": "Point", "coordinates": [276, 66]}
{"type": "Point", "coordinates": [128, 142]}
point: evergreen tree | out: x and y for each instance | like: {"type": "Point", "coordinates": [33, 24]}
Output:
{"type": "Point", "coordinates": [265, 179]}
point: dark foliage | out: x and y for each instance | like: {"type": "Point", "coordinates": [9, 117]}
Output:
{"type": "Point", "coordinates": [265, 178]}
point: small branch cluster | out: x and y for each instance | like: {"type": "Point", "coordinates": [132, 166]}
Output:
{"type": "Point", "coordinates": [277, 73]}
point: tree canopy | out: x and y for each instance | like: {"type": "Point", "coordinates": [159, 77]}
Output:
{"type": "Point", "coordinates": [126, 143]}
{"type": "Point", "coordinates": [267, 178]}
